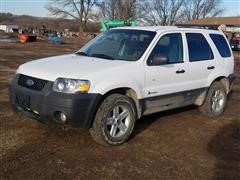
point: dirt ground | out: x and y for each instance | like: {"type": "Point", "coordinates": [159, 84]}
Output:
{"type": "Point", "coordinates": [177, 144]}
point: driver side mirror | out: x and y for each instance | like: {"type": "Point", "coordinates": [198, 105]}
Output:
{"type": "Point", "coordinates": [159, 59]}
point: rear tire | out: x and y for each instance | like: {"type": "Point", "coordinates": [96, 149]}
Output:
{"type": "Point", "coordinates": [114, 120]}
{"type": "Point", "coordinates": [215, 101]}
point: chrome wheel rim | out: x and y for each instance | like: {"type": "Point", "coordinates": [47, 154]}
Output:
{"type": "Point", "coordinates": [217, 101]}
{"type": "Point", "coordinates": [118, 121]}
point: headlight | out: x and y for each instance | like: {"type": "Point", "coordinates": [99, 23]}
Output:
{"type": "Point", "coordinates": [71, 85]}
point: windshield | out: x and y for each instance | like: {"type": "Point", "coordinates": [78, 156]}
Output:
{"type": "Point", "coordinates": [119, 44]}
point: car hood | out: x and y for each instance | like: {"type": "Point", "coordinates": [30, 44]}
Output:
{"type": "Point", "coordinates": [68, 66]}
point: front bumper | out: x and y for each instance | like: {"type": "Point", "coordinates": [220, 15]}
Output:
{"type": "Point", "coordinates": [44, 105]}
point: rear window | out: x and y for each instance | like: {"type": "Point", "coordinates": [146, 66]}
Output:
{"type": "Point", "coordinates": [198, 47]}
{"type": "Point", "coordinates": [221, 44]}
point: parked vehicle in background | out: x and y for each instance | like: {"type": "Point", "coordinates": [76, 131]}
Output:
{"type": "Point", "coordinates": [124, 74]}
{"type": "Point", "coordinates": [235, 44]}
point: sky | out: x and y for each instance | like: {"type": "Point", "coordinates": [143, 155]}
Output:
{"type": "Point", "coordinates": [36, 7]}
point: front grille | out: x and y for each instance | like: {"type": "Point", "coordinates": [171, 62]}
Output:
{"type": "Point", "coordinates": [38, 84]}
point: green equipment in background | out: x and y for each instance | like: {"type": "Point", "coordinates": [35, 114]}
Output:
{"type": "Point", "coordinates": [108, 24]}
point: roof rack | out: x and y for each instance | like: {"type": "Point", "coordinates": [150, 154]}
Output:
{"type": "Point", "coordinates": [199, 26]}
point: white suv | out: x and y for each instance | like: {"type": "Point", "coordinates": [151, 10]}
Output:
{"type": "Point", "coordinates": [126, 73]}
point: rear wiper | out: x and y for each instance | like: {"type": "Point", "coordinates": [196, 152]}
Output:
{"type": "Point", "coordinates": [81, 53]}
{"type": "Point", "coordinates": [102, 56]}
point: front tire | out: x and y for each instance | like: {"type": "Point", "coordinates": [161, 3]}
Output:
{"type": "Point", "coordinates": [215, 102]}
{"type": "Point", "coordinates": [114, 120]}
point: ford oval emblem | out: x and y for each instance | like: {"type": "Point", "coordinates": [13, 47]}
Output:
{"type": "Point", "coordinates": [30, 82]}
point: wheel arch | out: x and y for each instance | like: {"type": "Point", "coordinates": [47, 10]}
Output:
{"type": "Point", "coordinates": [224, 80]}
{"type": "Point", "coordinates": [129, 92]}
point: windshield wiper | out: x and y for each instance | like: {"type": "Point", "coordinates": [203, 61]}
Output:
{"type": "Point", "coordinates": [104, 56]}
{"type": "Point", "coordinates": [81, 53]}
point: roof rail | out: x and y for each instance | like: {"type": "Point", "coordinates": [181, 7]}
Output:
{"type": "Point", "coordinates": [199, 26]}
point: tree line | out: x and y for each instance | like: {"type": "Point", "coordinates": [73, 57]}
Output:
{"type": "Point", "coordinates": [146, 12]}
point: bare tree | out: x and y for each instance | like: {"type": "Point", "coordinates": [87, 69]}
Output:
{"type": "Point", "coordinates": [76, 9]}
{"type": "Point", "coordinates": [160, 12]}
{"type": "Point", "coordinates": [108, 9]}
{"type": "Point", "coordinates": [152, 12]}
{"type": "Point", "coordinates": [117, 9]}
{"type": "Point", "coordinates": [196, 9]}
{"type": "Point", "coordinates": [127, 9]}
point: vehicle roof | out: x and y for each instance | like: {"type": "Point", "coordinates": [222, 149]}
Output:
{"type": "Point", "coordinates": [164, 28]}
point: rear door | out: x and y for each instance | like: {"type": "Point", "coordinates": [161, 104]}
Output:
{"type": "Point", "coordinates": [201, 60]}
{"type": "Point", "coordinates": [225, 58]}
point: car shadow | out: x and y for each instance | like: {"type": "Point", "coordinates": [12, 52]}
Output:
{"type": "Point", "coordinates": [225, 146]}
{"type": "Point", "coordinates": [146, 121]}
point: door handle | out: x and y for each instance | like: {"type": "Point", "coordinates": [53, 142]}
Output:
{"type": "Point", "coordinates": [180, 71]}
{"type": "Point", "coordinates": [210, 67]}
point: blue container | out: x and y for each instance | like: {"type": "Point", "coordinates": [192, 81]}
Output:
{"type": "Point", "coordinates": [54, 38]}
{"type": "Point", "coordinates": [57, 40]}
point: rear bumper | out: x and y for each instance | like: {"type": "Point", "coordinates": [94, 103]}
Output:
{"type": "Point", "coordinates": [44, 105]}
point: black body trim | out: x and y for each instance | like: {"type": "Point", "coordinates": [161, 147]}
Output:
{"type": "Point", "coordinates": [170, 101]}
{"type": "Point", "coordinates": [42, 105]}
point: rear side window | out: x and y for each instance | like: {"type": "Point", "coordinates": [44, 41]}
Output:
{"type": "Point", "coordinates": [198, 47]}
{"type": "Point", "coordinates": [221, 45]}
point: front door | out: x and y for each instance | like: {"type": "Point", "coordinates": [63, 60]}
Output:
{"type": "Point", "coordinates": [171, 77]}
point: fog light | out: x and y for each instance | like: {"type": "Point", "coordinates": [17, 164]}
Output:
{"type": "Point", "coordinates": [60, 117]}
{"type": "Point", "coordinates": [63, 117]}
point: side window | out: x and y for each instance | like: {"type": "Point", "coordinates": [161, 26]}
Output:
{"type": "Point", "coordinates": [170, 46]}
{"type": "Point", "coordinates": [221, 45]}
{"type": "Point", "coordinates": [198, 47]}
